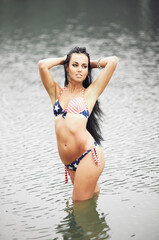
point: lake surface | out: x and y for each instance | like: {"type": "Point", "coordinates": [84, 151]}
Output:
{"type": "Point", "coordinates": [34, 201]}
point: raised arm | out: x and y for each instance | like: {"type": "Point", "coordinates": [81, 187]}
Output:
{"type": "Point", "coordinates": [109, 65]}
{"type": "Point", "coordinates": [51, 86]}
{"type": "Point", "coordinates": [97, 87]}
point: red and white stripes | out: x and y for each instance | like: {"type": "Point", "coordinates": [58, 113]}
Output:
{"type": "Point", "coordinates": [95, 155]}
{"type": "Point", "coordinates": [61, 92]}
{"type": "Point", "coordinates": [66, 177]}
{"type": "Point", "coordinates": [76, 105]}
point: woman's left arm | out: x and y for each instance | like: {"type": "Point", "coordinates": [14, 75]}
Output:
{"type": "Point", "coordinates": [109, 65]}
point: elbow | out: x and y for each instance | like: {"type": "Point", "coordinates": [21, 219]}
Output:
{"type": "Point", "coordinates": [114, 60]}
{"type": "Point", "coordinates": [41, 64]}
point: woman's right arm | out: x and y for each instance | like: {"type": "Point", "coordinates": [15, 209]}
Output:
{"type": "Point", "coordinates": [51, 86]}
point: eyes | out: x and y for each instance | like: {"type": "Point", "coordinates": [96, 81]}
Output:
{"type": "Point", "coordinates": [76, 65]}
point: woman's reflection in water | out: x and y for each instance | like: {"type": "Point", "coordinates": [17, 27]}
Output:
{"type": "Point", "coordinates": [83, 221]}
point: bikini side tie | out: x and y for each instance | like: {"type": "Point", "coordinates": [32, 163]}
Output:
{"type": "Point", "coordinates": [66, 177]}
{"type": "Point", "coordinates": [95, 155]}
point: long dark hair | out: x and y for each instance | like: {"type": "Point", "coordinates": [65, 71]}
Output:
{"type": "Point", "coordinates": [93, 123]}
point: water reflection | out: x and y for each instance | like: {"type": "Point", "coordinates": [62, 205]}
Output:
{"type": "Point", "coordinates": [83, 221]}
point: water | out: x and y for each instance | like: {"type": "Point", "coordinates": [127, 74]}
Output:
{"type": "Point", "coordinates": [34, 201]}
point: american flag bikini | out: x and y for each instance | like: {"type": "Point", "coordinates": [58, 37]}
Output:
{"type": "Point", "coordinates": [76, 106]}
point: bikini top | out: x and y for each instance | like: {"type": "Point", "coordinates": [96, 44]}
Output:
{"type": "Point", "coordinates": [76, 106]}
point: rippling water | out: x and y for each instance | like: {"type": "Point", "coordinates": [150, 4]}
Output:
{"type": "Point", "coordinates": [34, 201]}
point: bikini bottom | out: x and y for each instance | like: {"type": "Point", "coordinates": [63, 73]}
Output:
{"type": "Point", "coordinates": [73, 165]}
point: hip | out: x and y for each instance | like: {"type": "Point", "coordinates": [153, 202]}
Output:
{"type": "Point", "coordinates": [74, 148]}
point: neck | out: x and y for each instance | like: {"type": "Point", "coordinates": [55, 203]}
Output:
{"type": "Point", "coordinates": [75, 87]}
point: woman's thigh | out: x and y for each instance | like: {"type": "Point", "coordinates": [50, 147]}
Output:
{"type": "Point", "coordinates": [72, 176]}
{"type": "Point", "coordinates": [86, 176]}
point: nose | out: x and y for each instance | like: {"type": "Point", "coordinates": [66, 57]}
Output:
{"type": "Point", "coordinates": [79, 68]}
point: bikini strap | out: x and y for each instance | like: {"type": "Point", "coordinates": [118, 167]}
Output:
{"type": "Point", "coordinates": [94, 154]}
{"type": "Point", "coordinates": [61, 92]}
{"type": "Point", "coordinates": [66, 177]}
{"type": "Point", "coordinates": [83, 90]}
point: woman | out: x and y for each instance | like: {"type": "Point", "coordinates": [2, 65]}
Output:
{"type": "Point", "coordinates": [75, 109]}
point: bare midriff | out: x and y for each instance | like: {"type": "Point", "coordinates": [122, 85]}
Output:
{"type": "Point", "coordinates": [73, 139]}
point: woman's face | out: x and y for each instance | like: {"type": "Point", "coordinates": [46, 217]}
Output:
{"type": "Point", "coordinates": [78, 67]}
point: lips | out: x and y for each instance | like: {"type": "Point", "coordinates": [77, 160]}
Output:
{"type": "Point", "coordinates": [78, 75]}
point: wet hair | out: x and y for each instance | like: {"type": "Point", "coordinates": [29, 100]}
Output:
{"type": "Point", "coordinates": [93, 120]}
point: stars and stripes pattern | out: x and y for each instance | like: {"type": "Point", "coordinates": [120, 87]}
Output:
{"type": "Point", "coordinates": [57, 108]}
{"type": "Point", "coordinates": [66, 177]}
{"type": "Point", "coordinates": [76, 105]}
{"type": "Point", "coordinates": [73, 166]}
